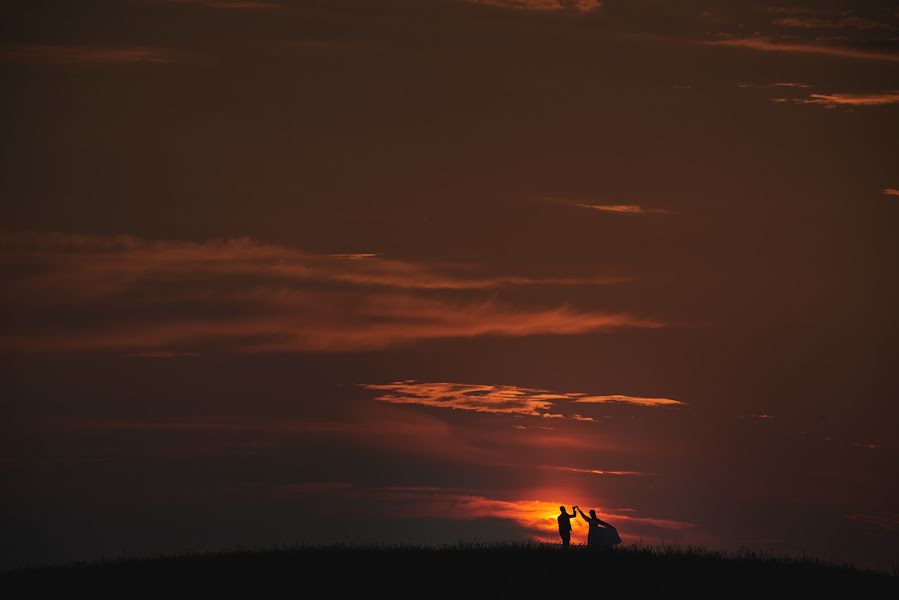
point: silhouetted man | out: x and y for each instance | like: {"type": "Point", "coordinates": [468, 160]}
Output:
{"type": "Point", "coordinates": [565, 526]}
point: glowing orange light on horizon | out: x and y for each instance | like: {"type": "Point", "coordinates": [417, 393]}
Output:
{"type": "Point", "coordinates": [538, 517]}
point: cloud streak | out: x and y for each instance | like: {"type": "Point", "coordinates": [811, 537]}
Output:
{"type": "Point", "coordinates": [231, 4]}
{"type": "Point", "coordinates": [845, 99]}
{"type": "Point", "coordinates": [69, 292]}
{"type": "Point", "coordinates": [783, 84]}
{"type": "Point", "coordinates": [885, 521]}
{"type": "Point", "coordinates": [635, 400]}
{"type": "Point", "coordinates": [544, 6]}
{"type": "Point", "coordinates": [624, 209]}
{"type": "Point", "coordinates": [88, 55]}
{"type": "Point", "coordinates": [846, 22]}
{"type": "Point", "coordinates": [768, 44]}
{"type": "Point", "coordinates": [592, 471]}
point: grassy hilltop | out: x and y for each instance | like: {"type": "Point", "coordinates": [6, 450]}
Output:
{"type": "Point", "coordinates": [527, 567]}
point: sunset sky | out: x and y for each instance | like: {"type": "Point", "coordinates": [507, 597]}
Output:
{"type": "Point", "coordinates": [423, 270]}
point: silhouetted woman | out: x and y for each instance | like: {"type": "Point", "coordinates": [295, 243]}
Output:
{"type": "Point", "coordinates": [600, 534]}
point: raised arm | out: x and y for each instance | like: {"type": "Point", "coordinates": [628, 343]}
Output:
{"type": "Point", "coordinates": [583, 516]}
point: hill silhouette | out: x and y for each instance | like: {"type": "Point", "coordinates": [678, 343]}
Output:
{"type": "Point", "coordinates": [521, 568]}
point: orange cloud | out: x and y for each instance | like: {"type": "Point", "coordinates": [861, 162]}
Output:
{"type": "Point", "coordinates": [637, 400]}
{"type": "Point", "coordinates": [834, 100]}
{"type": "Point", "coordinates": [629, 209]}
{"type": "Point", "coordinates": [499, 399]}
{"type": "Point", "coordinates": [891, 192]}
{"type": "Point", "coordinates": [120, 292]}
{"type": "Point", "coordinates": [773, 45]}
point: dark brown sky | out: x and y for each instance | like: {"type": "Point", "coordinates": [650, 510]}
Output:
{"type": "Point", "coordinates": [424, 270]}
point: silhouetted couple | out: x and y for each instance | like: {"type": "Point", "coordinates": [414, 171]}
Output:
{"type": "Point", "coordinates": [601, 535]}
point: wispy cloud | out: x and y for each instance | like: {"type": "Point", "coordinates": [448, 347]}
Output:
{"type": "Point", "coordinates": [86, 55]}
{"type": "Point", "coordinates": [891, 192]}
{"type": "Point", "coordinates": [163, 354]}
{"type": "Point", "coordinates": [783, 84]}
{"type": "Point", "coordinates": [592, 471]}
{"type": "Point", "coordinates": [761, 416]}
{"type": "Point", "coordinates": [71, 292]}
{"type": "Point", "coordinates": [883, 520]}
{"type": "Point", "coordinates": [868, 445]}
{"type": "Point", "coordinates": [636, 400]}
{"type": "Point", "coordinates": [844, 22]}
{"type": "Point", "coordinates": [359, 256]}
{"type": "Point", "coordinates": [580, 6]}
{"type": "Point", "coordinates": [315, 487]}
{"type": "Point", "coordinates": [231, 4]}
{"type": "Point", "coordinates": [791, 10]}
{"type": "Point", "coordinates": [768, 44]}
{"type": "Point", "coordinates": [848, 99]}
{"type": "Point", "coordinates": [530, 5]}
{"type": "Point", "coordinates": [286, 426]}
{"type": "Point", "coordinates": [627, 209]}
{"type": "Point", "coordinates": [499, 399]}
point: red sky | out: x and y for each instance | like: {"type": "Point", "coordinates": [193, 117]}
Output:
{"type": "Point", "coordinates": [312, 271]}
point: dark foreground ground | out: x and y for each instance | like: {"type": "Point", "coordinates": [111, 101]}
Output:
{"type": "Point", "coordinates": [524, 568]}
